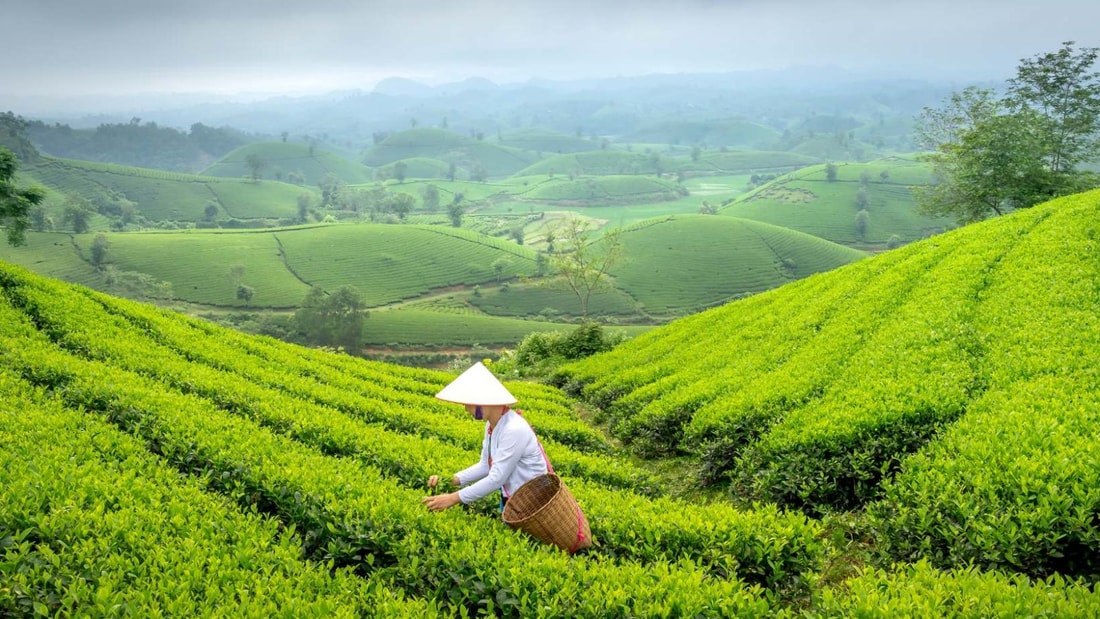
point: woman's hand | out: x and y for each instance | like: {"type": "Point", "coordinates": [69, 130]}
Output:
{"type": "Point", "coordinates": [433, 481]}
{"type": "Point", "coordinates": [441, 502]}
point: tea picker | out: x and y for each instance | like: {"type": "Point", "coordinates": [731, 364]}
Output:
{"type": "Point", "coordinates": [513, 462]}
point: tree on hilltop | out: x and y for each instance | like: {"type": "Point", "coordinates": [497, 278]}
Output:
{"type": "Point", "coordinates": [1063, 90]}
{"type": "Point", "coordinates": [15, 203]}
{"type": "Point", "coordinates": [256, 165]}
{"type": "Point", "coordinates": [991, 154]}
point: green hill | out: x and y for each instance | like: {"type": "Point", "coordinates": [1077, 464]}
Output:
{"type": "Point", "coordinates": [165, 196]}
{"type": "Point", "coordinates": [546, 141]}
{"type": "Point", "coordinates": [806, 201]}
{"type": "Point", "coordinates": [417, 167]}
{"type": "Point", "coordinates": [595, 163]}
{"type": "Point", "coordinates": [712, 133]}
{"type": "Point", "coordinates": [464, 152]}
{"type": "Point", "coordinates": [116, 407]}
{"type": "Point", "coordinates": [835, 147]}
{"type": "Point", "coordinates": [604, 190]}
{"type": "Point", "coordinates": [746, 161]}
{"type": "Point", "coordinates": [687, 262]}
{"type": "Point", "coordinates": [385, 263]}
{"type": "Point", "coordinates": [946, 391]}
{"type": "Point", "coordinates": [291, 162]}
{"type": "Point", "coordinates": [159, 463]}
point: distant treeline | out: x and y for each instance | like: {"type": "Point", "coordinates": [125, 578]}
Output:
{"type": "Point", "coordinates": [135, 143]}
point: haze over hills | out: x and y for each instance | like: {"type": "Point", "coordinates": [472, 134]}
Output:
{"type": "Point", "coordinates": [613, 106]}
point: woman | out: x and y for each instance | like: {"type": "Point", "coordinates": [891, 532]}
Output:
{"type": "Point", "coordinates": [510, 453]}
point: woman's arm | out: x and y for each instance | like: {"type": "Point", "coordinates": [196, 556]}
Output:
{"type": "Point", "coordinates": [478, 471]}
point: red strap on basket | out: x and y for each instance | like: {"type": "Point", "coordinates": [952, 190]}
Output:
{"type": "Point", "coordinates": [580, 530]}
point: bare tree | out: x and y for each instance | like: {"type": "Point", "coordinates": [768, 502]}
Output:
{"type": "Point", "coordinates": [583, 260]}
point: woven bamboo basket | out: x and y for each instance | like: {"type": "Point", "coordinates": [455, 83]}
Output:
{"type": "Point", "coordinates": [545, 509]}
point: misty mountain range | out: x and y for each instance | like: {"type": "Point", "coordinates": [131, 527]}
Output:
{"type": "Point", "coordinates": [780, 99]}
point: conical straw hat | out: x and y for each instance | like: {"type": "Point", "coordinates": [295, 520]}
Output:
{"type": "Point", "coordinates": [477, 385]}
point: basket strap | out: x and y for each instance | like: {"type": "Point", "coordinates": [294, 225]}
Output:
{"type": "Point", "coordinates": [581, 520]}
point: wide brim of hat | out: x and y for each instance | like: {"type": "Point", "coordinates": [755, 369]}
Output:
{"type": "Point", "coordinates": [477, 385]}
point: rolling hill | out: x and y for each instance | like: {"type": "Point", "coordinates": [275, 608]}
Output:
{"type": "Point", "coordinates": [546, 141]}
{"type": "Point", "coordinates": [674, 265]}
{"type": "Point", "coordinates": [946, 391]}
{"type": "Point", "coordinates": [712, 133]}
{"type": "Point", "coordinates": [806, 201]}
{"type": "Point", "coordinates": [289, 161]}
{"type": "Point", "coordinates": [384, 263]}
{"type": "Point", "coordinates": [595, 163]}
{"type": "Point", "coordinates": [161, 196]}
{"type": "Point", "coordinates": [684, 263]}
{"type": "Point", "coordinates": [745, 161]}
{"type": "Point", "coordinates": [465, 152]}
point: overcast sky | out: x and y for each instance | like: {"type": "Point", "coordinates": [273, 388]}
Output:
{"type": "Point", "coordinates": [77, 47]}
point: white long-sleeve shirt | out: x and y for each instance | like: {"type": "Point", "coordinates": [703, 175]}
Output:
{"type": "Point", "coordinates": [515, 455]}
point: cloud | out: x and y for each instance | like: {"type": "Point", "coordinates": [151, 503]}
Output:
{"type": "Point", "coordinates": [73, 46]}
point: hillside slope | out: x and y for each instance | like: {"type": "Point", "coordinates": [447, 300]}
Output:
{"type": "Point", "coordinates": [688, 262]}
{"type": "Point", "coordinates": [284, 161]}
{"type": "Point", "coordinates": [948, 387]}
{"type": "Point", "coordinates": [158, 195]}
{"type": "Point", "coordinates": [336, 450]}
{"type": "Point", "coordinates": [385, 263]}
{"type": "Point", "coordinates": [468, 153]}
{"type": "Point", "coordinates": [807, 201]}
{"type": "Point", "coordinates": [155, 462]}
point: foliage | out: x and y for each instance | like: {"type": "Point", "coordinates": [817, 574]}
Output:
{"type": "Point", "coordinates": [1063, 90]}
{"type": "Point", "coordinates": [993, 155]}
{"type": "Point", "coordinates": [99, 248]}
{"type": "Point", "coordinates": [944, 386]}
{"type": "Point", "coordinates": [15, 203]}
{"type": "Point", "coordinates": [582, 262]}
{"type": "Point", "coordinates": [540, 353]}
{"type": "Point", "coordinates": [136, 143]}
{"type": "Point", "coordinates": [281, 431]}
{"type": "Point", "coordinates": [334, 319]}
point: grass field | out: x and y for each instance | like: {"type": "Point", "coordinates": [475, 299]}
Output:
{"type": "Point", "coordinates": [545, 141]}
{"type": "Point", "coordinates": [596, 163]}
{"type": "Point", "coordinates": [745, 161]}
{"type": "Point", "coordinates": [712, 133]}
{"type": "Point", "coordinates": [465, 152]}
{"type": "Point", "coordinates": [685, 263]}
{"type": "Point", "coordinates": [282, 160]}
{"type": "Point", "coordinates": [167, 196]}
{"type": "Point", "coordinates": [404, 327]}
{"type": "Point", "coordinates": [417, 168]}
{"type": "Point", "coordinates": [603, 190]}
{"type": "Point", "coordinates": [390, 263]}
{"type": "Point", "coordinates": [807, 202]}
